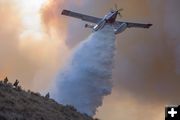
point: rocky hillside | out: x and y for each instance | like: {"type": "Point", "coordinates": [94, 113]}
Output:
{"type": "Point", "coordinates": [18, 104]}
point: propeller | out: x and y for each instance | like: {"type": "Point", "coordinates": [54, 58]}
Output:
{"type": "Point", "coordinates": [119, 10]}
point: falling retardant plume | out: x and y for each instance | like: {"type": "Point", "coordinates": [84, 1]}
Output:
{"type": "Point", "coordinates": [86, 78]}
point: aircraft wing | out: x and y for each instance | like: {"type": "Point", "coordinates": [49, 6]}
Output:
{"type": "Point", "coordinates": [81, 16]}
{"type": "Point", "coordinates": [129, 24]}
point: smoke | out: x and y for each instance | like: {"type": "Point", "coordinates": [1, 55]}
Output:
{"type": "Point", "coordinates": [85, 80]}
{"type": "Point", "coordinates": [148, 62]}
{"type": "Point", "coordinates": [28, 52]}
{"type": "Point", "coordinates": [172, 28]}
{"type": "Point", "coordinates": [12, 60]}
{"type": "Point", "coordinates": [51, 19]}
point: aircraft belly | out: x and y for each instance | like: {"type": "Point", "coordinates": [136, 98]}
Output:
{"type": "Point", "coordinates": [99, 26]}
{"type": "Point", "coordinates": [121, 28]}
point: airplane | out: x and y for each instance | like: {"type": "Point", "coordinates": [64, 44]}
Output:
{"type": "Point", "coordinates": [110, 18]}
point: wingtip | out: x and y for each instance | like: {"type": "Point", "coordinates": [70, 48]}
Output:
{"type": "Point", "coordinates": [149, 25]}
{"type": "Point", "coordinates": [64, 12]}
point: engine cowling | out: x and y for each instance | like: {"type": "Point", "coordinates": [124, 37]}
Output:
{"type": "Point", "coordinates": [121, 28]}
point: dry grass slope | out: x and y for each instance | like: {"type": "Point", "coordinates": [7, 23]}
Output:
{"type": "Point", "coordinates": [17, 104]}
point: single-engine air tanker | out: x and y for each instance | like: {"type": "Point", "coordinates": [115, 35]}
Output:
{"type": "Point", "coordinates": [110, 18]}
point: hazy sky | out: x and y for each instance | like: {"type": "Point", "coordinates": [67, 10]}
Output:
{"type": "Point", "coordinates": [35, 41]}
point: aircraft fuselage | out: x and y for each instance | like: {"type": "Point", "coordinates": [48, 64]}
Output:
{"type": "Point", "coordinates": [111, 17]}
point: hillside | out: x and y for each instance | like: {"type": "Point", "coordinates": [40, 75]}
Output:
{"type": "Point", "coordinates": [18, 104]}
